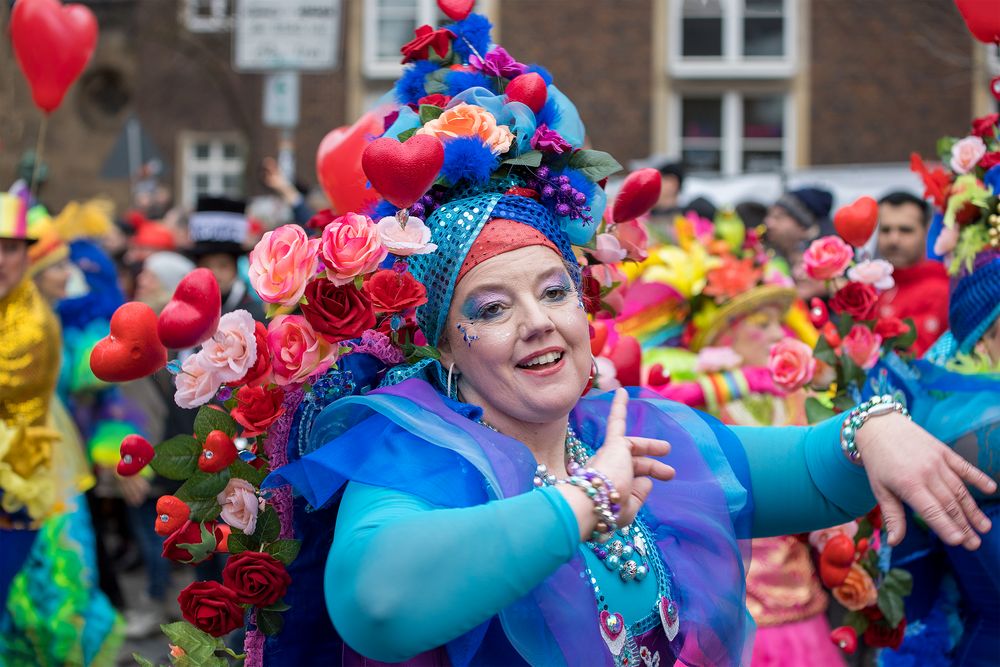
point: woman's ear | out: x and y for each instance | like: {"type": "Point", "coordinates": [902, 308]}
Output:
{"type": "Point", "coordinates": [444, 348]}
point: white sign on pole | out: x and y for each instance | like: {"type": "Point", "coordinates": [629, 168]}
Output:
{"type": "Point", "coordinates": [281, 99]}
{"type": "Point", "coordinates": [286, 35]}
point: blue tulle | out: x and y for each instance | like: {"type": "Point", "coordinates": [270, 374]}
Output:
{"type": "Point", "coordinates": [406, 120]}
{"type": "Point", "coordinates": [566, 119]}
{"type": "Point", "coordinates": [515, 115]}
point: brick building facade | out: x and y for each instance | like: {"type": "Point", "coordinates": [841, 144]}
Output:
{"type": "Point", "coordinates": [732, 85]}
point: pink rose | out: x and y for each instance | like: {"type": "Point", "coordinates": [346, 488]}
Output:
{"type": "Point", "coordinates": [946, 240]}
{"type": "Point", "coordinates": [351, 247]}
{"type": "Point", "coordinates": [414, 240]}
{"type": "Point", "coordinates": [297, 351]}
{"type": "Point", "coordinates": [862, 345]}
{"type": "Point", "coordinates": [966, 153]}
{"type": "Point", "coordinates": [197, 382]}
{"type": "Point", "coordinates": [715, 359]}
{"type": "Point", "coordinates": [232, 351]}
{"type": "Point", "coordinates": [282, 263]}
{"type": "Point", "coordinates": [791, 364]}
{"type": "Point", "coordinates": [633, 237]}
{"type": "Point", "coordinates": [240, 505]}
{"type": "Point", "coordinates": [608, 250]}
{"type": "Point", "coordinates": [874, 272]}
{"type": "Point", "coordinates": [819, 538]}
{"type": "Point", "coordinates": [827, 257]}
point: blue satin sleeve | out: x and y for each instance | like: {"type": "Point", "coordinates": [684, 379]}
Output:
{"type": "Point", "coordinates": [405, 576]}
{"type": "Point", "coordinates": [801, 479]}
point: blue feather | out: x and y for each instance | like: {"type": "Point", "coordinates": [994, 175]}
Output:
{"type": "Point", "coordinates": [471, 33]}
{"type": "Point", "coordinates": [541, 71]}
{"type": "Point", "coordinates": [458, 82]}
{"type": "Point", "coordinates": [382, 209]}
{"type": "Point", "coordinates": [468, 159]}
{"type": "Point", "coordinates": [410, 87]}
{"type": "Point", "coordinates": [549, 114]}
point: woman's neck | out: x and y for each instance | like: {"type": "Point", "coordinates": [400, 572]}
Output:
{"type": "Point", "coordinates": [546, 441]}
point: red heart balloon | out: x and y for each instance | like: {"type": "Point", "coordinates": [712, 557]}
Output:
{"type": "Point", "coordinates": [217, 452]}
{"type": "Point", "coordinates": [983, 19]}
{"type": "Point", "coordinates": [529, 89]}
{"type": "Point", "coordinates": [456, 10]}
{"type": "Point", "coordinates": [132, 349]}
{"type": "Point", "coordinates": [627, 357]}
{"type": "Point", "coordinates": [403, 172]}
{"type": "Point", "coordinates": [598, 337]}
{"type": "Point", "coordinates": [638, 195]}
{"type": "Point", "coordinates": [657, 377]}
{"type": "Point", "coordinates": [845, 637]}
{"type": "Point", "coordinates": [192, 315]}
{"type": "Point", "coordinates": [338, 164]}
{"type": "Point", "coordinates": [855, 223]}
{"type": "Point", "coordinates": [52, 43]}
{"type": "Point", "coordinates": [136, 453]}
{"type": "Point", "coordinates": [171, 513]}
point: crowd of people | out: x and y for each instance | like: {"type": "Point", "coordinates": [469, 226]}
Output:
{"type": "Point", "coordinates": [505, 420]}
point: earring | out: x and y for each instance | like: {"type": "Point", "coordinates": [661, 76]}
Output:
{"type": "Point", "coordinates": [451, 370]}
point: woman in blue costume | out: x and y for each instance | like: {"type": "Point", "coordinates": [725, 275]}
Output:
{"type": "Point", "coordinates": [458, 538]}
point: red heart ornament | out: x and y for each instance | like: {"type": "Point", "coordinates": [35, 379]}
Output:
{"type": "Point", "coordinates": [217, 452]}
{"type": "Point", "coordinates": [598, 337]}
{"type": "Point", "coordinates": [456, 10]}
{"type": "Point", "coordinates": [657, 377]}
{"type": "Point", "coordinates": [638, 195]}
{"type": "Point", "coordinates": [192, 315]}
{"type": "Point", "coordinates": [836, 559]}
{"type": "Point", "coordinates": [982, 18]}
{"type": "Point", "coordinates": [627, 357]}
{"type": "Point", "coordinates": [222, 533]}
{"type": "Point", "coordinates": [845, 637]}
{"type": "Point", "coordinates": [403, 172]}
{"type": "Point", "coordinates": [136, 453]}
{"type": "Point", "coordinates": [855, 223]}
{"type": "Point", "coordinates": [132, 349]}
{"type": "Point", "coordinates": [171, 513]}
{"type": "Point", "coordinates": [529, 89]}
{"type": "Point", "coordinates": [52, 43]}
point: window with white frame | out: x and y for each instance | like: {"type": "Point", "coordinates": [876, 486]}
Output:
{"type": "Point", "coordinates": [212, 165]}
{"type": "Point", "coordinates": [208, 15]}
{"type": "Point", "coordinates": [734, 132]}
{"type": "Point", "coordinates": [732, 38]}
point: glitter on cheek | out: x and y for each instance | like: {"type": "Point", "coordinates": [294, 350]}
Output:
{"type": "Point", "coordinates": [466, 336]}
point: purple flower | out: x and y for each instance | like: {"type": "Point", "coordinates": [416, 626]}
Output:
{"type": "Point", "coordinates": [545, 139]}
{"type": "Point", "coordinates": [498, 63]}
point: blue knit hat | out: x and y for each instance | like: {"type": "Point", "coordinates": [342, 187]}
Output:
{"type": "Point", "coordinates": [808, 206]}
{"type": "Point", "coordinates": [975, 304]}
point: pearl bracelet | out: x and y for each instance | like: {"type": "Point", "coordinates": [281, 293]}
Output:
{"type": "Point", "coordinates": [602, 492]}
{"type": "Point", "coordinates": [876, 406]}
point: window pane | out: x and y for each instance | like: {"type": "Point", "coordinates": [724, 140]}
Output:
{"type": "Point", "coordinates": [201, 183]}
{"type": "Point", "coordinates": [702, 160]}
{"type": "Point", "coordinates": [701, 117]}
{"type": "Point", "coordinates": [762, 161]}
{"type": "Point", "coordinates": [201, 151]}
{"type": "Point", "coordinates": [392, 34]}
{"type": "Point", "coordinates": [232, 184]}
{"type": "Point", "coordinates": [764, 28]}
{"type": "Point", "coordinates": [701, 28]}
{"type": "Point", "coordinates": [230, 151]}
{"type": "Point", "coordinates": [764, 117]}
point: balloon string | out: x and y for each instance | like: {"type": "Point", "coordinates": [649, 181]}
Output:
{"type": "Point", "coordinates": [38, 156]}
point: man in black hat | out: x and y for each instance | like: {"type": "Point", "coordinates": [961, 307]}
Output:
{"type": "Point", "coordinates": [798, 217]}
{"type": "Point", "coordinates": [219, 232]}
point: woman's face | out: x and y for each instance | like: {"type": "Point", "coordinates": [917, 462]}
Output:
{"type": "Point", "coordinates": [518, 336]}
{"type": "Point", "coordinates": [51, 282]}
{"type": "Point", "coordinates": [753, 336]}
{"type": "Point", "coordinates": [150, 290]}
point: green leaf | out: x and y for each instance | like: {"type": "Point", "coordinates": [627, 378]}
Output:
{"type": "Point", "coordinates": [944, 145]}
{"type": "Point", "coordinates": [201, 550]}
{"type": "Point", "coordinates": [210, 419]}
{"type": "Point", "coordinates": [864, 529]}
{"type": "Point", "coordinates": [842, 403]}
{"type": "Point", "coordinates": [177, 458]}
{"type": "Point", "coordinates": [199, 646]}
{"type": "Point", "coordinates": [279, 606]}
{"type": "Point", "coordinates": [203, 485]}
{"type": "Point", "coordinates": [890, 603]}
{"type": "Point", "coordinates": [816, 411]}
{"type": "Point", "coordinates": [434, 82]}
{"type": "Point", "coordinates": [825, 353]}
{"type": "Point", "coordinates": [595, 165]}
{"type": "Point", "coordinates": [406, 134]}
{"type": "Point", "coordinates": [284, 550]}
{"type": "Point", "coordinates": [526, 159]}
{"type": "Point", "coordinates": [429, 112]}
{"type": "Point", "coordinates": [269, 622]}
{"type": "Point", "coordinates": [141, 661]}
{"type": "Point", "coordinates": [904, 341]}
{"type": "Point", "coordinates": [844, 323]}
{"type": "Point", "coordinates": [856, 620]}
{"type": "Point", "coordinates": [240, 469]}
{"type": "Point", "coordinates": [206, 509]}
{"type": "Point", "coordinates": [239, 542]}
{"type": "Point", "coordinates": [899, 581]}
{"type": "Point", "coordinates": [268, 525]}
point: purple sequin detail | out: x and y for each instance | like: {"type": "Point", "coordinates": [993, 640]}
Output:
{"type": "Point", "coordinates": [379, 346]}
{"type": "Point", "coordinates": [253, 644]}
{"type": "Point", "coordinates": [277, 453]}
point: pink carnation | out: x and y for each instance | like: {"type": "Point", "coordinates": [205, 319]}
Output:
{"type": "Point", "coordinates": [297, 351]}
{"type": "Point", "coordinates": [351, 247]}
{"type": "Point", "coordinates": [862, 345]}
{"type": "Point", "coordinates": [197, 382]}
{"type": "Point", "coordinates": [791, 364]}
{"type": "Point", "coordinates": [827, 257]}
{"type": "Point", "coordinates": [282, 263]}
{"type": "Point", "coordinates": [415, 239]}
{"type": "Point", "coordinates": [232, 351]}
{"type": "Point", "coordinates": [874, 272]}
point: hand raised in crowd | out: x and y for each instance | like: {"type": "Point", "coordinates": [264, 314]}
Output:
{"type": "Point", "coordinates": [906, 464]}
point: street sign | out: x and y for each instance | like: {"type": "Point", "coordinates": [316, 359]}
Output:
{"type": "Point", "coordinates": [281, 99]}
{"type": "Point", "coordinates": [283, 35]}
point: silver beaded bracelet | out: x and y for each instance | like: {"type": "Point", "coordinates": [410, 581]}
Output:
{"type": "Point", "coordinates": [876, 406]}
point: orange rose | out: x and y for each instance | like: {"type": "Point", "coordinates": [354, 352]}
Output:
{"type": "Point", "coordinates": [858, 590]}
{"type": "Point", "coordinates": [468, 120]}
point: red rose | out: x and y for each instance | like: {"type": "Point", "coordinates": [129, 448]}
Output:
{"type": "Point", "coordinates": [337, 312]}
{"type": "Point", "coordinates": [321, 219]}
{"type": "Point", "coordinates": [990, 160]}
{"type": "Point", "coordinates": [880, 635]}
{"type": "Point", "coordinates": [985, 126]}
{"type": "Point", "coordinates": [260, 372]}
{"type": "Point", "coordinates": [257, 408]}
{"type": "Point", "coordinates": [406, 328]}
{"type": "Point", "coordinates": [189, 533]}
{"type": "Point", "coordinates": [591, 288]}
{"type": "Point", "coordinates": [890, 327]}
{"type": "Point", "coordinates": [435, 100]}
{"type": "Point", "coordinates": [257, 578]}
{"type": "Point", "coordinates": [875, 518]}
{"type": "Point", "coordinates": [856, 299]}
{"type": "Point", "coordinates": [427, 37]}
{"type": "Point", "coordinates": [211, 607]}
{"type": "Point", "coordinates": [394, 292]}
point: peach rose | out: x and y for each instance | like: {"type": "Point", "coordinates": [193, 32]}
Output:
{"type": "Point", "coordinates": [858, 590]}
{"type": "Point", "coordinates": [469, 120]}
{"type": "Point", "coordinates": [633, 237]}
{"type": "Point", "coordinates": [282, 263]}
{"type": "Point", "coordinates": [966, 153]}
{"type": "Point", "coordinates": [862, 345]}
{"type": "Point", "coordinates": [827, 257]}
{"type": "Point", "coordinates": [232, 351]}
{"type": "Point", "coordinates": [351, 247]}
{"type": "Point", "coordinates": [791, 364]}
{"type": "Point", "coordinates": [608, 250]}
{"type": "Point", "coordinates": [297, 351]}
{"type": "Point", "coordinates": [197, 382]}
{"type": "Point", "coordinates": [240, 505]}
{"type": "Point", "coordinates": [874, 272]}
{"type": "Point", "coordinates": [415, 239]}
